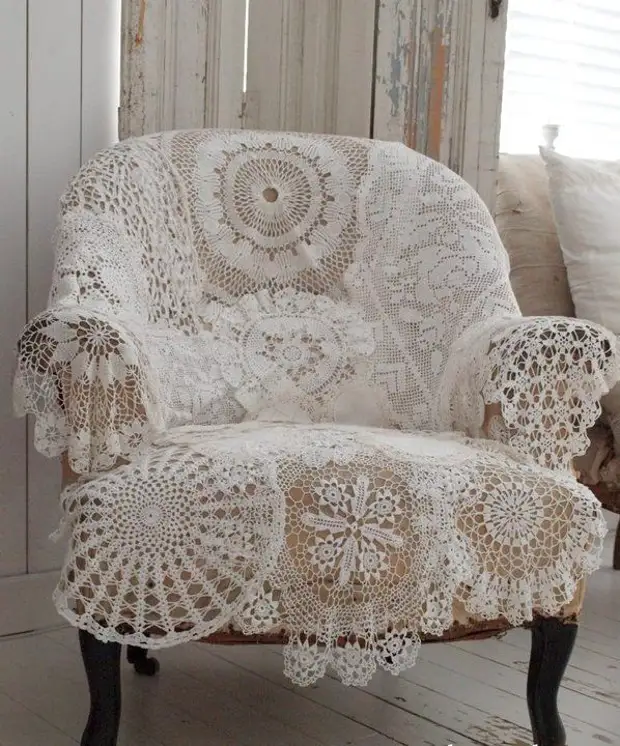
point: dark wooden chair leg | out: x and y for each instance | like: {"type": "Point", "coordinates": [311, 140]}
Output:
{"type": "Point", "coordinates": [552, 644]}
{"type": "Point", "coordinates": [102, 661]}
{"type": "Point", "coordinates": [139, 659]}
{"type": "Point", "coordinates": [616, 560]}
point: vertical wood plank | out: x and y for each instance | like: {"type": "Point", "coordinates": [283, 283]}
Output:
{"type": "Point", "coordinates": [438, 83]}
{"type": "Point", "coordinates": [394, 68]}
{"type": "Point", "coordinates": [335, 90]}
{"type": "Point", "coordinates": [189, 33]}
{"type": "Point", "coordinates": [317, 93]}
{"type": "Point", "coordinates": [54, 147]}
{"type": "Point", "coordinates": [275, 52]}
{"type": "Point", "coordinates": [492, 94]}
{"type": "Point", "coordinates": [101, 70]}
{"type": "Point", "coordinates": [182, 65]}
{"type": "Point", "coordinates": [145, 88]}
{"type": "Point", "coordinates": [310, 66]}
{"type": "Point", "coordinates": [354, 77]}
{"type": "Point", "coordinates": [13, 124]}
{"type": "Point", "coordinates": [471, 141]}
{"type": "Point", "coordinates": [474, 26]}
{"type": "Point", "coordinates": [225, 58]}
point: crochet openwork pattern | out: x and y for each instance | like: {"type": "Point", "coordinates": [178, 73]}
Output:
{"type": "Point", "coordinates": [293, 378]}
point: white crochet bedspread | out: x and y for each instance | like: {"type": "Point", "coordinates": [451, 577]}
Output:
{"type": "Point", "coordinates": [215, 278]}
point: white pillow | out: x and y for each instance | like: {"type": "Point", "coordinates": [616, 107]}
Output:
{"type": "Point", "coordinates": [586, 202]}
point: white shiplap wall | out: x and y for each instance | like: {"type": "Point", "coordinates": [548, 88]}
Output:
{"type": "Point", "coordinates": [59, 84]}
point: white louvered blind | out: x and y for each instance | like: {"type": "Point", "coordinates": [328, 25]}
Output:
{"type": "Point", "coordinates": [562, 66]}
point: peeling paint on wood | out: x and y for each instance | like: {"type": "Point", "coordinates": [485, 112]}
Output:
{"type": "Point", "coordinates": [394, 68]}
{"type": "Point", "coordinates": [182, 65]}
{"type": "Point", "coordinates": [439, 53]}
{"type": "Point", "coordinates": [141, 14]}
{"type": "Point", "coordinates": [438, 83]}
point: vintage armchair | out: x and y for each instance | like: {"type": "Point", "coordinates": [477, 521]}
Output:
{"type": "Point", "coordinates": [295, 401]}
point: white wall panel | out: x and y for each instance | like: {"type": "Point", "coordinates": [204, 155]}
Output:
{"type": "Point", "coordinates": [54, 153]}
{"type": "Point", "coordinates": [310, 66]}
{"type": "Point", "coordinates": [59, 87]}
{"type": "Point", "coordinates": [13, 77]}
{"type": "Point", "coordinates": [101, 74]}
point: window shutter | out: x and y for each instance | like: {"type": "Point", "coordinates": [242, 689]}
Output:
{"type": "Point", "coordinates": [562, 66]}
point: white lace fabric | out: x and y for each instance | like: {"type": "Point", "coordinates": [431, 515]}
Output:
{"type": "Point", "coordinates": [547, 374]}
{"type": "Point", "coordinates": [327, 532]}
{"type": "Point", "coordinates": [274, 331]}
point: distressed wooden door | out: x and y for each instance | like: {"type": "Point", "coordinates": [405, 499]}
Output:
{"type": "Point", "coordinates": [426, 72]}
{"type": "Point", "coordinates": [304, 65]}
{"type": "Point", "coordinates": [438, 82]}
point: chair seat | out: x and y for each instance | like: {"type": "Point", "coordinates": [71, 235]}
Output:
{"type": "Point", "coordinates": [324, 534]}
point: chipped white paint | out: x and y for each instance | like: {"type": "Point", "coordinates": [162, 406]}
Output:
{"type": "Point", "coordinates": [310, 65]}
{"type": "Point", "coordinates": [438, 83]}
{"type": "Point", "coordinates": [182, 65]}
{"type": "Point", "coordinates": [436, 86]}
{"type": "Point", "coordinates": [394, 68]}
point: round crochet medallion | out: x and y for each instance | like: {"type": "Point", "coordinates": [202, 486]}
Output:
{"type": "Point", "coordinates": [272, 206]}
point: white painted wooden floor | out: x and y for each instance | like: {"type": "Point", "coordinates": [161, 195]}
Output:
{"type": "Point", "coordinates": [461, 694]}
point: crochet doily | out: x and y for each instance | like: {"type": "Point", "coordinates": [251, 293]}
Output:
{"type": "Point", "coordinates": [271, 205]}
{"type": "Point", "coordinates": [355, 541]}
{"type": "Point", "coordinates": [293, 356]}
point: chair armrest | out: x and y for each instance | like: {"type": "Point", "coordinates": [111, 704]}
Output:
{"type": "Point", "coordinates": [86, 377]}
{"type": "Point", "coordinates": [543, 382]}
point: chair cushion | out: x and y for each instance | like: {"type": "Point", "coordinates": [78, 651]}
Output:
{"type": "Point", "coordinates": [326, 532]}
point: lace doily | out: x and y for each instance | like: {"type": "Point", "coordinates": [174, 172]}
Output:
{"type": "Point", "coordinates": [153, 230]}
{"type": "Point", "coordinates": [354, 541]}
{"type": "Point", "coordinates": [292, 356]}
{"type": "Point", "coordinates": [548, 376]}
{"type": "Point", "coordinates": [272, 205]}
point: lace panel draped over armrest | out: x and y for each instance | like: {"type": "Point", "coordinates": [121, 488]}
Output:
{"type": "Point", "coordinates": [86, 378]}
{"type": "Point", "coordinates": [546, 375]}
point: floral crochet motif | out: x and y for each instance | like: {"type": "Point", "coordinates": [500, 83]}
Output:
{"type": "Point", "coordinates": [357, 528]}
{"type": "Point", "coordinates": [290, 354]}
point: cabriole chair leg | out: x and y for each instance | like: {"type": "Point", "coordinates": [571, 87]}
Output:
{"type": "Point", "coordinates": [102, 661]}
{"type": "Point", "coordinates": [552, 644]}
{"type": "Point", "coordinates": [139, 659]}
